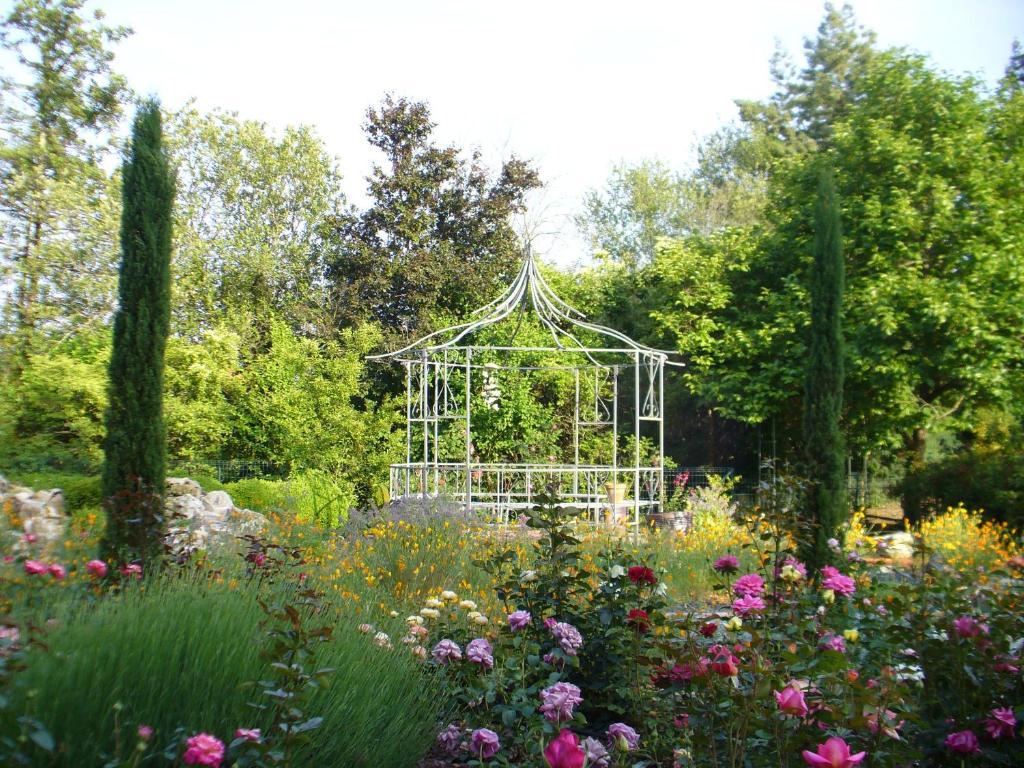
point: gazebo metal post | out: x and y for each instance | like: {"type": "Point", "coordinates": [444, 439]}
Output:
{"type": "Point", "coordinates": [423, 416]}
{"type": "Point", "coordinates": [576, 435]}
{"type": "Point", "coordinates": [408, 424]}
{"type": "Point", "coordinates": [661, 434]}
{"type": "Point", "coordinates": [615, 440]}
{"type": "Point", "coordinates": [469, 433]}
{"type": "Point", "coordinates": [438, 379]}
{"type": "Point", "coordinates": [636, 438]}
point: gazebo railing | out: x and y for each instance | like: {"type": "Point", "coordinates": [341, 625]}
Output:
{"type": "Point", "coordinates": [506, 489]}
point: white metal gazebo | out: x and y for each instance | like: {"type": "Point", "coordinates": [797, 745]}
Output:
{"type": "Point", "coordinates": [618, 398]}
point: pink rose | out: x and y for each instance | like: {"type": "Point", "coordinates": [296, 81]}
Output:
{"type": "Point", "coordinates": [565, 751]}
{"type": "Point", "coordinates": [1001, 724]}
{"type": "Point", "coordinates": [145, 732]}
{"type": "Point", "coordinates": [750, 585]}
{"type": "Point", "coordinates": [748, 604]}
{"type": "Point", "coordinates": [97, 568]}
{"type": "Point", "coordinates": [968, 626]}
{"type": "Point", "coordinates": [57, 571]}
{"type": "Point", "coordinates": [791, 701]}
{"type": "Point", "coordinates": [963, 742]}
{"type": "Point", "coordinates": [727, 564]}
{"type": "Point", "coordinates": [484, 743]}
{"type": "Point", "coordinates": [622, 736]}
{"type": "Point", "coordinates": [834, 753]}
{"type": "Point", "coordinates": [723, 662]}
{"type": "Point", "coordinates": [833, 643]}
{"type": "Point", "coordinates": [446, 651]}
{"type": "Point", "coordinates": [204, 749]}
{"type": "Point", "coordinates": [35, 568]}
{"type": "Point", "coordinates": [132, 569]}
{"type": "Point", "coordinates": [837, 582]}
{"type": "Point", "coordinates": [559, 701]}
{"type": "Point", "coordinates": [518, 620]}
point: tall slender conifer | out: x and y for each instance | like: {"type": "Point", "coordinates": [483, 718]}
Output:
{"type": "Point", "coordinates": [136, 451]}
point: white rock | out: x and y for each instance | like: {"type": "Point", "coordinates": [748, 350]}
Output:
{"type": "Point", "coordinates": [53, 498]}
{"type": "Point", "coordinates": [184, 507]}
{"type": "Point", "coordinates": [183, 486]}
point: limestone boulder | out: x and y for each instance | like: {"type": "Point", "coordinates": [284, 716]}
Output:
{"type": "Point", "coordinates": [183, 486]}
{"type": "Point", "coordinates": [184, 507]}
{"type": "Point", "coordinates": [53, 498]}
{"type": "Point", "coordinates": [218, 504]}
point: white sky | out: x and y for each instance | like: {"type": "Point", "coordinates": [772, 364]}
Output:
{"type": "Point", "coordinates": [574, 86]}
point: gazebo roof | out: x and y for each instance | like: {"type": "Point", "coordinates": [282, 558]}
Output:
{"type": "Point", "coordinates": [529, 289]}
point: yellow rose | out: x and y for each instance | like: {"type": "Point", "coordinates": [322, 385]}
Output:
{"type": "Point", "coordinates": [828, 597]}
{"type": "Point", "coordinates": [735, 624]}
{"type": "Point", "coordinates": [852, 635]}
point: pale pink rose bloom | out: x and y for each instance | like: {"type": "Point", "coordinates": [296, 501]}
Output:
{"type": "Point", "coordinates": [834, 753]}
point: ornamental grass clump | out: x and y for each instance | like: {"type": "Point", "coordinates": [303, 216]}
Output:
{"type": "Point", "coordinates": [182, 657]}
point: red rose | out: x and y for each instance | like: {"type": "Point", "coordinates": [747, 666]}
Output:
{"type": "Point", "coordinates": [640, 574]}
{"type": "Point", "coordinates": [639, 618]}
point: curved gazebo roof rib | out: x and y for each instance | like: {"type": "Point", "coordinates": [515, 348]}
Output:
{"type": "Point", "coordinates": [556, 315]}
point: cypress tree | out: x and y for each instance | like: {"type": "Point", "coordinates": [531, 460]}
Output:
{"type": "Point", "coordinates": [823, 393]}
{"type": "Point", "coordinates": [135, 447]}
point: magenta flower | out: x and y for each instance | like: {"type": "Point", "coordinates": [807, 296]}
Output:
{"type": "Point", "coordinates": [484, 743]}
{"type": "Point", "coordinates": [564, 751]}
{"type": "Point", "coordinates": [968, 626]}
{"type": "Point", "coordinates": [791, 701]}
{"type": "Point", "coordinates": [132, 569]}
{"type": "Point", "coordinates": [963, 742]}
{"type": "Point", "coordinates": [97, 568]}
{"type": "Point", "coordinates": [559, 701]}
{"type": "Point", "coordinates": [446, 651]}
{"type": "Point", "coordinates": [1001, 724]}
{"type": "Point", "coordinates": [750, 585]}
{"type": "Point", "coordinates": [145, 732]}
{"type": "Point", "coordinates": [450, 738]}
{"type": "Point", "coordinates": [568, 637]}
{"type": "Point", "coordinates": [35, 568]}
{"type": "Point", "coordinates": [833, 643]}
{"type": "Point", "coordinates": [249, 734]}
{"type": "Point", "coordinates": [57, 571]}
{"type": "Point", "coordinates": [834, 753]}
{"type": "Point", "coordinates": [748, 604]}
{"type": "Point", "coordinates": [479, 651]}
{"type": "Point", "coordinates": [519, 620]}
{"type": "Point", "coordinates": [622, 736]}
{"type": "Point", "coordinates": [204, 749]}
{"type": "Point", "coordinates": [837, 582]}
{"type": "Point", "coordinates": [727, 564]}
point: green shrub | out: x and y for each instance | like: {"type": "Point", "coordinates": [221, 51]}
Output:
{"type": "Point", "coordinates": [180, 653]}
{"type": "Point", "coordinates": [259, 495]}
{"type": "Point", "coordinates": [321, 498]}
{"type": "Point", "coordinates": [985, 479]}
{"type": "Point", "coordinates": [80, 491]}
